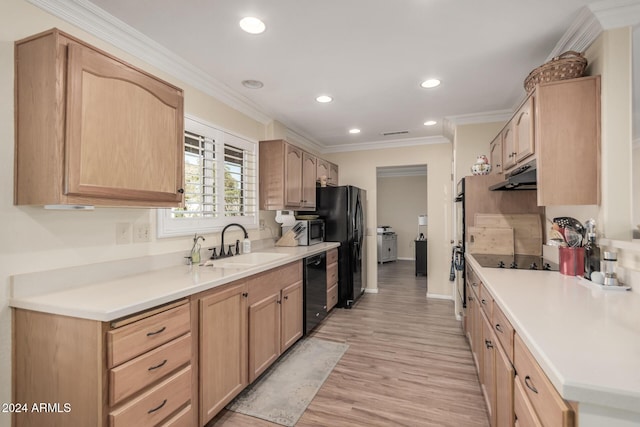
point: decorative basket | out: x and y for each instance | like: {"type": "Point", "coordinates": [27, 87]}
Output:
{"type": "Point", "coordinates": [568, 65]}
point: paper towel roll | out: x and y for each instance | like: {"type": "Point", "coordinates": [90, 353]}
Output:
{"type": "Point", "coordinates": [286, 218]}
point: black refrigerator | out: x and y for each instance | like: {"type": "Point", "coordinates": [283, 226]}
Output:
{"type": "Point", "coordinates": [343, 210]}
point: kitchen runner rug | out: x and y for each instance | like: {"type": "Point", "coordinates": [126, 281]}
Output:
{"type": "Point", "coordinates": [284, 391]}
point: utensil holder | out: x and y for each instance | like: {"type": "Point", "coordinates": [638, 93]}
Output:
{"type": "Point", "coordinates": [571, 260]}
{"type": "Point", "coordinates": [288, 239]}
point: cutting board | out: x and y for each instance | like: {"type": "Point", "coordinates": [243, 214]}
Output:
{"type": "Point", "coordinates": [491, 240]}
{"type": "Point", "coordinates": [527, 230]}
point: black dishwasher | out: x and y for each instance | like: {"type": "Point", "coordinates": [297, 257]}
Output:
{"type": "Point", "coordinates": [315, 290]}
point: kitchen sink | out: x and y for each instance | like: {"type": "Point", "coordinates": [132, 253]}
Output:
{"type": "Point", "coordinates": [248, 260]}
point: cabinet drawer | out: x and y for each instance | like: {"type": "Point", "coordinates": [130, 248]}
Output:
{"type": "Point", "coordinates": [332, 256]}
{"type": "Point", "coordinates": [134, 375]}
{"type": "Point", "coordinates": [486, 301]}
{"type": "Point", "coordinates": [156, 404]}
{"type": "Point", "coordinates": [524, 413]}
{"type": "Point", "coordinates": [548, 404]}
{"type": "Point", "coordinates": [503, 330]}
{"type": "Point", "coordinates": [332, 297]}
{"type": "Point", "coordinates": [332, 274]}
{"type": "Point", "coordinates": [184, 418]}
{"type": "Point", "coordinates": [132, 340]}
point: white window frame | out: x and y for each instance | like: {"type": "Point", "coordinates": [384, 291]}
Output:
{"type": "Point", "coordinates": [167, 226]}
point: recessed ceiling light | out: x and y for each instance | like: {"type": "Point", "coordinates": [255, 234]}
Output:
{"type": "Point", "coordinates": [252, 84]}
{"type": "Point", "coordinates": [252, 25]}
{"type": "Point", "coordinates": [354, 130]}
{"type": "Point", "coordinates": [430, 123]}
{"type": "Point", "coordinates": [324, 99]}
{"type": "Point", "coordinates": [430, 83]}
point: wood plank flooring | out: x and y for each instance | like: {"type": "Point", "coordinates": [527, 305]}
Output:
{"type": "Point", "coordinates": [408, 363]}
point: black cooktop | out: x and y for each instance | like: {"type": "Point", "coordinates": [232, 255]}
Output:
{"type": "Point", "coordinates": [521, 262]}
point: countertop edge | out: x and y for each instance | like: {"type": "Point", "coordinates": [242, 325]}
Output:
{"type": "Point", "coordinates": [41, 302]}
{"type": "Point", "coordinates": [568, 388]}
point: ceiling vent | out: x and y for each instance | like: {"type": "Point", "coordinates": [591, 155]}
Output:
{"type": "Point", "coordinates": [398, 132]}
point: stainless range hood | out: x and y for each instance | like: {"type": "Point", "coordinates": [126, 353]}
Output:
{"type": "Point", "coordinates": [521, 178]}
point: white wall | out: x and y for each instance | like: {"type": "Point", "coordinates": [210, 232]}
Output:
{"type": "Point", "coordinates": [33, 239]}
{"type": "Point", "coordinates": [400, 200]}
{"type": "Point", "coordinates": [359, 168]}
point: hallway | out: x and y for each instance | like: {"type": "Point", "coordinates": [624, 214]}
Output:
{"type": "Point", "coordinates": [408, 363]}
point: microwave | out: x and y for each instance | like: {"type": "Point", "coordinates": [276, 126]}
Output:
{"type": "Point", "coordinates": [312, 233]}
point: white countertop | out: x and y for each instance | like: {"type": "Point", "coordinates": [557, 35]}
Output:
{"type": "Point", "coordinates": [112, 299]}
{"type": "Point", "coordinates": [586, 340]}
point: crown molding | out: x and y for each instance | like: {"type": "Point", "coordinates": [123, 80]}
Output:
{"type": "Point", "coordinates": [95, 21]}
{"type": "Point", "coordinates": [616, 13]}
{"type": "Point", "coordinates": [475, 118]}
{"type": "Point", "coordinates": [382, 145]}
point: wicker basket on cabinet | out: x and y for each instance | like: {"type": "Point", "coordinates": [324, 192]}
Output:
{"type": "Point", "coordinates": [568, 65]}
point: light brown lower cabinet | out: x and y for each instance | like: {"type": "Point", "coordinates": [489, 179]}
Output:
{"type": "Point", "coordinates": [516, 390]}
{"type": "Point", "coordinates": [223, 347]}
{"type": "Point", "coordinates": [488, 368]}
{"type": "Point", "coordinates": [275, 315]}
{"type": "Point", "coordinates": [136, 370]}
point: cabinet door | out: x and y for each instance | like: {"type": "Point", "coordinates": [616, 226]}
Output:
{"type": "Point", "coordinates": [293, 176]}
{"type": "Point", "coordinates": [508, 147]}
{"type": "Point", "coordinates": [488, 368]}
{"type": "Point", "coordinates": [308, 180]}
{"type": "Point", "coordinates": [523, 124]}
{"type": "Point", "coordinates": [504, 376]}
{"type": "Point", "coordinates": [322, 169]}
{"type": "Point", "coordinates": [124, 131]}
{"type": "Point", "coordinates": [333, 175]}
{"type": "Point", "coordinates": [223, 349]}
{"type": "Point", "coordinates": [291, 315]}
{"type": "Point", "coordinates": [495, 155]}
{"type": "Point", "coordinates": [264, 334]}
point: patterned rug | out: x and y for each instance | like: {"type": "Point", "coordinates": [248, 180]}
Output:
{"type": "Point", "coordinates": [284, 391]}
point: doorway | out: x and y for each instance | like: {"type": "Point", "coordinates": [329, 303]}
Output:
{"type": "Point", "coordinates": [401, 198]}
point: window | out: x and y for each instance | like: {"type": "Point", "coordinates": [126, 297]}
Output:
{"type": "Point", "coordinates": [220, 183]}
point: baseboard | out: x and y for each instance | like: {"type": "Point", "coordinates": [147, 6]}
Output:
{"type": "Point", "coordinates": [439, 296]}
{"type": "Point", "coordinates": [371, 291]}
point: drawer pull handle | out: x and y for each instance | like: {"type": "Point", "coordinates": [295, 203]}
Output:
{"type": "Point", "coordinates": [528, 383]}
{"type": "Point", "coordinates": [286, 297]}
{"type": "Point", "coordinates": [160, 365]}
{"type": "Point", "coordinates": [245, 294]}
{"type": "Point", "coordinates": [150, 334]}
{"type": "Point", "coordinates": [498, 327]}
{"type": "Point", "coordinates": [489, 344]}
{"type": "Point", "coordinates": [483, 301]}
{"type": "Point", "coordinates": [151, 411]}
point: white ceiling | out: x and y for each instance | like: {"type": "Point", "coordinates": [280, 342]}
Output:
{"type": "Point", "coordinates": [369, 55]}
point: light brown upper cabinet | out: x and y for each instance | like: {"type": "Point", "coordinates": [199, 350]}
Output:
{"type": "Point", "coordinates": [495, 154]}
{"type": "Point", "coordinates": [567, 134]}
{"type": "Point", "coordinates": [508, 147]}
{"type": "Point", "coordinates": [92, 129]}
{"type": "Point", "coordinates": [327, 169]}
{"type": "Point", "coordinates": [523, 131]}
{"type": "Point", "coordinates": [287, 176]}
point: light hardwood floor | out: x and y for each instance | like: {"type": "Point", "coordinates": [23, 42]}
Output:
{"type": "Point", "coordinates": [408, 363]}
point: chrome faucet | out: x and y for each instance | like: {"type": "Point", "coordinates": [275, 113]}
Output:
{"type": "Point", "coordinates": [222, 253]}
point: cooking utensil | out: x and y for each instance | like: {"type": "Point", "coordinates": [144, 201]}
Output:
{"type": "Point", "coordinates": [572, 236]}
{"type": "Point", "coordinates": [567, 221]}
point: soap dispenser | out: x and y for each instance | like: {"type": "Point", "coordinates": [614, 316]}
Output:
{"type": "Point", "coordinates": [195, 249]}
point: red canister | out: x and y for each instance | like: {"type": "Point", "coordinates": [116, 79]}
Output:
{"type": "Point", "coordinates": [571, 260]}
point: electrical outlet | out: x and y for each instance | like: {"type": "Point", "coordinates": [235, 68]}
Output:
{"type": "Point", "coordinates": [262, 224]}
{"type": "Point", "coordinates": [123, 233]}
{"type": "Point", "coordinates": [141, 233]}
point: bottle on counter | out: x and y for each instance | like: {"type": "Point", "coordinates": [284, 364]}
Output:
{"type": "Point", "coordinates": [591, 251]}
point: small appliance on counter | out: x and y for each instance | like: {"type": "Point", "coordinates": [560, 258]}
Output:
{"type": "Point", "coordinates": [307, 231]}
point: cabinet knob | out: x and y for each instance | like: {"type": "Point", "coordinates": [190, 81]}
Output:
{"type": "Point", "coordinates": [180, 190]}
{"type": "Point", "coordinates": [489, 344]}
{"type": "Point", "coordinates": [245, 294]}
{"type": "Point", "coordinates": [286, 297]}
